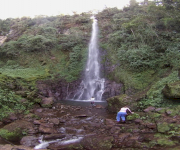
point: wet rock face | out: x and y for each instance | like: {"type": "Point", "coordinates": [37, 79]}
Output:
{"type": "Point", "coordinates": [112, 89]}
{"type": "Point", "coordinates": [62, 90]}
{"type": "Point", "coordinates": [58, 89]}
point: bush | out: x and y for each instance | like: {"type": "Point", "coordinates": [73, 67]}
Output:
{"type": "Point", "coordinates": [9, 102]}
{"type": "Point", "coordinates": [140, 58]}
{"type": "Point", "coordinates": [77, 59]}
{"type": "Point", "coordinates": [35, 43]}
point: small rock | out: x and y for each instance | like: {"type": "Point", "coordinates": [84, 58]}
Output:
{"type": "Point", "coordinates": [39, 110]}
{"type": "Point", "coordinates": [138, 121]}
{"type": "Point", "coordinates": [81, 116]}
{"type": "Point", "coordinates": [54, 121]}
{"type": "Point", "coordinates": [99, 106]}
{"type": "Point", "coordinates": [47, 102]}
{"type": "Point", "coordinates": [151, 125]}
{"type": "Point", "coordinates": [149, 109]}
{"type": "Point", "coordinates": [44, 129]}
{"type": "Point", "coordinates": [54, 136]}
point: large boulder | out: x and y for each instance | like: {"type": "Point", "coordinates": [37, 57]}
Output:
{"type": "Point", "coordinates": [112, 89]}
{"type": "Point", "coordinates": [16, 130]}
{"type": "Point", "coordinates": [47, 102]}
{"type": "Point", "coordinates": [172, 91]}
{"type": "Point", "coordinates": [116, 102]}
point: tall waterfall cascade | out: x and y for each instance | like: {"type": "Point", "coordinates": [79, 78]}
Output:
{"type": "Point", "coordinates": [92, 85]}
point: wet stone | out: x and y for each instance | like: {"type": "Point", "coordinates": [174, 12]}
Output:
{"type": "Point", "coordinates": [81, 116]}
{"type": "Point", "coordinates": [54, 136]}
{"type": "Point", "coordinates": [149, 109]}
{"type": "Point", "coordinates": [54, 121]}
{"type": "Point", "coordinates": [151, 125]}
{"type": "Point", "coordinates": [30, 141]}
{"type": "Point", "coordinates": [138, 121]}
{"type": "Point", "coordinates": [38, 122]}
{"type": "Point", "coordinates": [39, 110]}
{"type": "Point", "coordinates": [44, 129]}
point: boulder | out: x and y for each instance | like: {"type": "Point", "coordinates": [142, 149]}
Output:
{"type": "Point", "coordinates": [29, 141]}
{"type": "Point", "coordinates": [149, 109]}
{"type": "Point", "coordinates": [116, 102]}
{"type": "Point", "coordinates": [47, 128]}
{"type": "Point", "coordinates": [16, 147]}
{"type": "Point", "coordinates": [172, 91]}
{"type": "Point", "coordinates": [47, 102]}
{"type": "Point", "coordinates": [15, 131]}
{"type": "Point", "coordinates": [95, 143]}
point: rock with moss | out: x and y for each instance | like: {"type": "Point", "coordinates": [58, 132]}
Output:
{"type": "Point", "coordinates": [160, 110]}
{"type": "Point", "coordinates": [153, 115]}
{"type": "Point", "coordinates": [116, 102]}
{"type": "Point", "coordinates": [163, 127]}
{"type": "Point", "coordinates": [104, 143]}
{"type": "Point", "coordinates": [16, 130]}
{"type": "Point", "coordinates": [172, 112]}
{"type": "Point", "coordinates": [172, 90]}
{"type": "Point", "coordinates": [47, 102]}
{"type": "Point", "coordinates": [165, 142]}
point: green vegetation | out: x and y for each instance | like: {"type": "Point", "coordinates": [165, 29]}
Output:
{"type": "Point", "coordinates": [11, 136]}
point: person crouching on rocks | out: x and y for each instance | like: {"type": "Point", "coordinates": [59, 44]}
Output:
{"type": "Point", "coordinates": [121, 115]}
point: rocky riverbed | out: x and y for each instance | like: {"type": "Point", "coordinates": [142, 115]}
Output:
{"type": "Point", "coordinates": [92, 128]}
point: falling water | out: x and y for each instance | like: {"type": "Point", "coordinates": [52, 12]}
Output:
{"type": "Point", "coordinates": [92, 85]}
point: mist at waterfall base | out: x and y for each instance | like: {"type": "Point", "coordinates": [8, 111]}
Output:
{"type": "Point", "coordinates": [92, 85]}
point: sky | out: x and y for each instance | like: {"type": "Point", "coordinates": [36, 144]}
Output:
{"type": "Point", "coordinates": [32, 8]}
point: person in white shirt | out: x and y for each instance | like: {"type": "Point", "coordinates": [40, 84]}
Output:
{"type": "Point", "coordinates": [92, 98]}
{"type": "Point", "coordinates": [121, 115]}
{"type": "Point", "coordinates": [92, 103]}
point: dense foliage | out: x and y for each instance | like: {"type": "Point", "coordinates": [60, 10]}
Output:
{"type": "Point", "coordinates": [142, 40]}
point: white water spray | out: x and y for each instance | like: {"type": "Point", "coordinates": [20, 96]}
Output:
{"type": "Point", "coordinates": [92, 85]}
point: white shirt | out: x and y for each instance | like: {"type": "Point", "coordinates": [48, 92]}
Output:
{"type": "Point", "coordinates": [124, 109]}
{"type": "Point", "coordinates": [92, 98]}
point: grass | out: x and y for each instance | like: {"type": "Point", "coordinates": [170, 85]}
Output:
{"type": "Point", "coordinates": [25, 73]}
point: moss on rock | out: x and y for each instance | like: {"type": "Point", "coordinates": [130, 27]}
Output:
{"type": "Point", "coordinates": [172, 90]}
{"type": "Point", "coordinates": [165, 142]}
{"type": "Point", "coordinates": [15, 131]}
{"type": "Point", "coordinates": [163, 127]}
{"type": "Point", "coordinates": [116, 102]}
{"type": "Point", "coordinates": [11, 136]}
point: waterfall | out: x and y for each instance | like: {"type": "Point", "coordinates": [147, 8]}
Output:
{"type": "Point", "coordinates": [92, 85]}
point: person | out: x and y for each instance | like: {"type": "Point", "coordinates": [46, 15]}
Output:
{"type": "Point", "coordinates": [92, 98]}
{"type": "Point", "coordinates": [121, 115]}
{"type": "Point", "coordinates": [92, 103]}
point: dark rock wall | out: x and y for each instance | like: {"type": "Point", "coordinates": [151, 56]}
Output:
{"type": "Point", "coordinates": [61, 90]}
